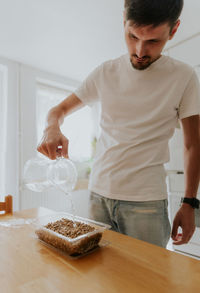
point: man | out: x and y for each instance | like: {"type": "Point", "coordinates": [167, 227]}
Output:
{"type": "Point", "coordinates": [142, 96]}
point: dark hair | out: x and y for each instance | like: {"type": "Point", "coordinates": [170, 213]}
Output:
{"type": "Point", "coordinates": [153, 12]}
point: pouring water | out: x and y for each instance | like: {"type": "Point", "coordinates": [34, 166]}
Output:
{"type": "Point", "coordinates": [40, 174]}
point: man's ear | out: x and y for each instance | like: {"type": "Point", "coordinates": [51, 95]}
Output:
{"type": "Point", "coordinates": [174, 29]}
{"type": "Point", "coordinates": [124, 17]}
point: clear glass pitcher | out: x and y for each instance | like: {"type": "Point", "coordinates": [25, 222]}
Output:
{"type": "Point", "coordinates": [42, 173]}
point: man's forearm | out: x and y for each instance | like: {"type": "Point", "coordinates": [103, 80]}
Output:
{"type": "Point", "coordinates": [55, 118]}
{"type": "Point", "coordinates": [53, 142]}
{"type": "Point", "coordinates": [57, 114]}
{"type": "Point", "coordinates": [192, 170]}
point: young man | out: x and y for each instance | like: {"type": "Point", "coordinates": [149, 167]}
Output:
{"type": "Point", "coordinates": [142, 96]}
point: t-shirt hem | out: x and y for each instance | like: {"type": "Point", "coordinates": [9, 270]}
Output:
{"type": "Point", "coordinates": [142, 197]}
{"type": "Point", "coordinates": [83, 100]}
{"type": "Point", "coordinates": [189, 114]}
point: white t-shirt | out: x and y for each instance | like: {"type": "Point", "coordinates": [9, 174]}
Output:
{"type": "Point", "coordinates": [140, 110]}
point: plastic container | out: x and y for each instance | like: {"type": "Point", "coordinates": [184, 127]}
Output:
{"type": "Point", "coordinates": [72, 246]}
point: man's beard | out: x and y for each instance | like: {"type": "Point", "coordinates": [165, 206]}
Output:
{"type": "Point", "coordinates": [141, 65]}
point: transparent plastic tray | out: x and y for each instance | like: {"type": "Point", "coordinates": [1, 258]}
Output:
{"type": "Point", "coordinates": [72, 246]}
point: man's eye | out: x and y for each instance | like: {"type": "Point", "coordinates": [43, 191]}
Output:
{"type": "Point", "coordinates": [153, 41]}
{"type": "Point", "coordinates": [133, 37]}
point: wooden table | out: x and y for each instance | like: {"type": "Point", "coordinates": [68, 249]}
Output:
{"type": "Point", "coordinates": [125, 265]}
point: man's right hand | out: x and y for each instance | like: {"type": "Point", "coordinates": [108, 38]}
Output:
{"type": "Point", "coordinates": [53, 143]}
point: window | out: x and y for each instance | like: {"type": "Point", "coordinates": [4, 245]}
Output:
{"type": "Point", "coordinates": [78, 127]}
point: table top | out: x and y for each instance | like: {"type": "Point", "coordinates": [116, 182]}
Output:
{"type": "Point", "coordinates": [125, 265]}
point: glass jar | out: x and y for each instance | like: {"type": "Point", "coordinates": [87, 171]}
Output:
{"type": "Point", "coordinates": [42, 173]}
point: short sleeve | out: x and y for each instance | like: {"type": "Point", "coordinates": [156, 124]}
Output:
{"type": "Point", "coordinates": [190, 102]}
{"type": "Point", "coordinates": [88, 90]}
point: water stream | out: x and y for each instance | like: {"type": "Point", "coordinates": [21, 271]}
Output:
{"type": "Point", "coordinates": [69, 196]}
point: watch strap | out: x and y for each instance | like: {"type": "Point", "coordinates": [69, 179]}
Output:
{"type": "Point", "coordinates": [194, 202]}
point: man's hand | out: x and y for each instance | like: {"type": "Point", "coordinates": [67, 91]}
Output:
{"type": "Point", "coordinates": [185, 218]}
{"type": "Point", "coordinates": [53, 143]}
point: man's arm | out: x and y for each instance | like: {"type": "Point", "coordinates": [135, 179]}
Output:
{"type": "Point", "coordinates": [53, 137]}
{"type": "Point", "coordinates": [185, 216]}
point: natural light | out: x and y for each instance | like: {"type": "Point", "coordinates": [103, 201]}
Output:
{"type": "Point", "coordinates": [78, 127]}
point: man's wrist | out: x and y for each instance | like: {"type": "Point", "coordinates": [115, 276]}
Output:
{"type": "Point", "coordinates": [192, 201]}
{"type": "Point", "coordinates": [54, 128]}
{"type": "Point", "coordinates": [189, 195]}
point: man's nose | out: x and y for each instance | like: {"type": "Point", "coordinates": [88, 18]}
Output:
{"type": "Point", "coordinates": [140, 49]}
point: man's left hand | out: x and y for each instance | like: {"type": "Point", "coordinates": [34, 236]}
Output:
{"type": "Point", "coordinates": [185, 218]}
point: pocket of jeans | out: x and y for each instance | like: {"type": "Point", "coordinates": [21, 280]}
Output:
{"type": "Point", "coordinates": [148, 208]}
{"type": "Point", "coordinates": [93, 195]}
{"type": "Point", "coordinates": [145, 211]}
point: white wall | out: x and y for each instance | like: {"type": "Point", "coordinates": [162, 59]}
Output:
{"type": "Point", "coordinates": [188, 51]}
{"type": "Point", "coordinates": [71, 37]}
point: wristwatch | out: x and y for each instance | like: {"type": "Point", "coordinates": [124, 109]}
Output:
{"type": "Point", "coordinates": [194, 202]}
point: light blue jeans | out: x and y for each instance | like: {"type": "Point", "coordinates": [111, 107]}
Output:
{"type": "Point", "coordinates": [147, 221]}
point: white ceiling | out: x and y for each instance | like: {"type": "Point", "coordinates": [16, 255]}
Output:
{"type": "Point", "coordinates": [71, 37]}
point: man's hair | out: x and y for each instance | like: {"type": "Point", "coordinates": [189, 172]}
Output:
{"type": "Point", "coordinates": [153, 12]}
